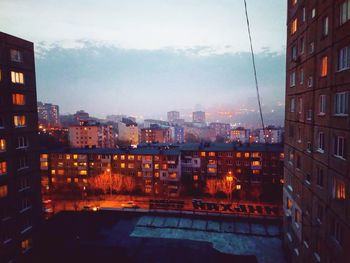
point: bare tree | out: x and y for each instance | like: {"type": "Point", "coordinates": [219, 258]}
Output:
{"type": "Point", "coordinates": [129, 183]}
{"type": "Point", "coordinates": [213, 186]}
{"type": "Point", "coordinates": [102, 182]}
{"type": "Point", "coordinates": [117, 182]}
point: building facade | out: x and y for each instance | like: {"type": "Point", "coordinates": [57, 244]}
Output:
{"type": "Point", "coordinates": [221, 129]}
{"type": "Point", "coordinates": [156, 134]}
{"type": "Point", "coordinates": [173, 116]}
{"type": "Point", "coordinates": [48, 114]}
{"type": "Point", "coordinates": [20, 196]}
{"type": "Point", "coordinates": [317, 167]}
{"type": "Point", "coordinates": [271, 135]}
{"type": "Point", "coordinates": [198, 116]}
{"type": "Point", "coordinates": [240, 134]}
{"type": "Point", "coordinates": [128, 130]}
{"type": "Point", "coordinates": [91, 134]}
{"type": "Point", "coordinates": [170, 170]}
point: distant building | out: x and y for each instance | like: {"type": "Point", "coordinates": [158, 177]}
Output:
{"type": "Point", "coordinates": [221, 129]}
{"type": "Point", "coordinates": [272, 135]}
{"type": "Point", "coordinates": [115, 118]}
{"type": "Point", "coordinates": [198, 116]}
{"type": "Point", "coordinates": [178, 134]}
{"type": "Point", "coordinates": [240, 134]}
{"type": "Point", "coordinates": [173, 116]}
{"type": "Point", "coordinates": [128, 131]}
{"type": "Point", "coordinates": [81, 116]}
{"type": "Point", "coordinates": [48, 114]}
{"type": "Point", "coordinates": [20, 193]}
{"type": "Point", "coordinates": [91, 134]}
{"type": "Point", "coordinates": [156, 134]}
{"type": "Point", "coordinates": [149, 122]}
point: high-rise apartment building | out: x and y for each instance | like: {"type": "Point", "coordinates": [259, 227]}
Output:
{"type": "Point", "coordinates": [271, 134]}
{"type": "Point", "coordinates": [128, 131]}
{"type": "Point", "coordinates": [317, 167]}
{"type": "Point", "coordinates": [173, 116]}
{"type": "Point", "coordinates": [198, 116]}
{"type": "Point", "coordinates": [48, 114]}
{"type": "Point", "coordinates": [20, 196]}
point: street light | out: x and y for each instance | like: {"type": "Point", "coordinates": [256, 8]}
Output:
{"type": "Point", "coordinates": [229, 180]}
{"type": "Point", "coordinates": [110, 181]}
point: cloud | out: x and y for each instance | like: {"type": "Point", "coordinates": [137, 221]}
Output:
{"type": "Point", "coordinates": [105, 79]}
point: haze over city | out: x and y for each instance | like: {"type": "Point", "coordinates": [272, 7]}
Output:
{"type": "Point", "coordinates": [144, 58]}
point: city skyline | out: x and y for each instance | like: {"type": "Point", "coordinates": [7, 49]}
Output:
{"type": "Point", "coordinates": [141, 67]}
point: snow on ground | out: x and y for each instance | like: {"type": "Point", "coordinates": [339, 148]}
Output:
{"type": "Point", "coordinates": [226, 237]}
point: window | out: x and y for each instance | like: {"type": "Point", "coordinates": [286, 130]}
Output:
{"type": "Point", "coordinates": [300, 105]}
{"type": "Point", "coordinates": [341, 103]}
{"type": "Point", "coordinates": [212, 154]}
{"type": "Point", "coordinates": [313, 12]}
{"type": "Point", "coordinates": [211, 170]}
{"type": "Point", "coordinates": [294, 26]}
{"type": "Point", "coordinates": [3, 191]}
{"type": "Point", "coordinates": [322, 104]}
{"type": "Point", "coordinates": [22, 142]}
{"type": "Point", "coordinates": [173, 175]}
{"type": "Point", "coordinates": [131, 157]}
{"type": "Point", "coordinates": [18, 99]}
{"type": "Point", "coordinates": [26, 245]}
{"type": "Point", "coordinates": [131, 166]}
{"type": "Point", "coordinates": [325, 26]}
{"type": "Point", "coordinates": [292, 79]}
{"type": "Point", "coordinates": [294, 53]}
{"type": "Point", "coordinates": [301, 76]}
{"type": "Point", "coordinates": [304, 14]}
{"type": "Point", "coordinates": [339, 146]}
{"type": "Point", "coordinates": [2, 145]}
{"type": "Point", "coordinates": [238, 155]}
{"type": "Point", "coordinates": [344, 12]}
{"type": "Point", "coordinates": [19, 120]}
{"type": "Point", "coordinates": [344, 58]}
{"type": "Point", "coordinates": [83, 172]}
{"type": "Point", "coordinates": [312, 47]}
{"type": "Point", "coordinates": [15, 55]}
{"type": "Point", "coordinates": [310, 82]}
{"type": "Point", "coordinates": [122, 165]}
{"type": "Point", "coordinates": [319, 177]}
{"type": "Point", "coordinates": [339, 189]}
{"type": "Point", "coordinates": [337, 232]}
{"type": "Point", "coordinates": [22, 162]}
{"type": "Point", "coordinates": [17, 77]}
{"type": "Point", "coordinates": [3, 167]}
{"type": "Point", "coordinates": [24, 183]}
{"type": "Point", "coordinates": [324, 66]}
{"type": "Point", "coordinates": [321, 141]}
{"type": "Point", "coordinates": [297, 217]}
{"type": "Point", "coordinates": [292, 105]}
{"type": "Point", "coordinates": [294, 2]}
{"type": "Point", "coordinates": [25, 204]}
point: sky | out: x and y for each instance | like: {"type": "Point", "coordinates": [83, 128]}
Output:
{"type": "Point", "coordinates": [141, 57]}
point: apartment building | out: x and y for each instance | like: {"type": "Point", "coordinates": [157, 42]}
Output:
{"type": "Point", "coordinates": [91, 134]}
{"type": "Point", "coordinates": [317, 174]}
{"type": "Point", "coordinates": [173, 116]}
{"type": "Point", "coordinates": [170, 170]}
{"type": "Point", "coordinates": [156, 134]}
{"type": "Point", "coordinates": [128, 130]}
{"type": "Point", "coordinates": [240, 134]}
{"type": "Point", "coordinates": [48, 114]}
{"type": "Point", "coordinates": [221, 129]}
{"type": "Point", "coordinates": [198, 116]}
{"type": "Point", "coordinates": [20, 196]}
{"type": "Point", "coordinates": [271, 134]}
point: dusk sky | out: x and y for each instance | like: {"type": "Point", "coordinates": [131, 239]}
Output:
{"type": "Point", "coordinates": [148, 57]}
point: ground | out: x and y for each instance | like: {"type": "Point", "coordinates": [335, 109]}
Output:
{"type": "Point", "coordinates": [112, 236]}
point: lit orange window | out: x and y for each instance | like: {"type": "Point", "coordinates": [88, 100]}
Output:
{"type": "Point", "coordinates": [82, 172]}
{"type": "Point", "coordinates": [2, 145]}
{"type": "Point", "coordinates": [115, 157]}
{"type": "Point", "coordinates": [18, 99]}
{"type": "Point", "coordinates": [246, 155]}
{"type": "Point", "coordinates": [75, 156]}
{"type": "Point", "coordinates": [139, 174]}
{"type": "Point", "coordinates": [340, 190]}
{"type": "Point", "coordinates": [173, 175]}
{"type": "Point", "coordinates": [211, 170]}
{"type": "Point", "coordinates": [256, 163]}
{"type": "Point", "coordinates": [212, 154]}
{"type": "Point", "coordinates": [324, 66]}
{"type": "Point", "coordinates": [164, 166]}
{"type": "Point", "coordinates": [195, 178]}
{"type": "Point", "coordinates": [131, 157]}
{"type": "Point", "coordinates": [19, 120]}
{"type": "Point", "coordinates": [131, 166]}
{"type": "Point", "coordinates": [238, 155]}
{"type": "Point", "coordinates": [3, 167]}
{"type": "Point", "coordinates": [156, 174]}
{"type": "Point", "coordinates": [3, 191]}
{"type": "Point", "coordinates": [60, 172]}
{"type": "Point", "coordinates": [156, 166]}
{"type": "Point", "coordinates": [122, 157]}
{"type": "Point", "coordinates": [53, 171]}
{"type": "Point", "coordinates": [239, 171]}
{"type": "Point", "coordinates": [67, 156]}
{"type": "Point", "coordinates": [17, 77]}
{"type": "Point", "coordinates": [294, 26]}
{"type": "Point", "coordinates": [203, 154]}
{"type": "Point", "coordinates": [256, 171]}
{"type": "Point", "coordinates": [122, 165]}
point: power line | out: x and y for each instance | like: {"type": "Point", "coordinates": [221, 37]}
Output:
{"type": "Point", "coordinates": [254, 69]}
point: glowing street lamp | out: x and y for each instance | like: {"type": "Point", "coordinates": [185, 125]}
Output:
{"type": "Point", "coordinates": [110, 181]}
{"type": "Point", "coordinates": [229, 180]}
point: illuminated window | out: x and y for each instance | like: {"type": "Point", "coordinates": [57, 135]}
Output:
{"type": "Point", "coordinates": [202, 154]}
{"type": "Point", "coordinates": [238, 155]}
{"type": "Point", "coordinates": [2, 145]}
{"type": "Point", "coordinates": [164, 166]}
{"type": "Point", "coordinates": [44, 156]}
{"type": "Point", "coordinates": [131, 166]}
{"type": "Point", "coordinates": [44, 165]}
{"type": "Point", "coordinates": [139, 157]}
{"type": "Point", "coordinates": [115, 157]}
{"type": "Point", "coordinates": [139, 174]}
{"type": "Point", "coordinates": [75, 164]}
{"type": "Point", "coordinates": [3, 191]}
{"type": "Point", "coordinates": [339, 189]}
{"type": "Point", "coordinates": [211, 154]}
{"type": "Point", "coordinates": [156, 174]}
{"type": "Point", "coordinates": [18, 99]}
{"type": "Point", "coordinates": [256, 154]}
{"type": "Point", "coordinates": [19, 120]}
{"type": "Point", "coordinates": [3, 167]}
{"type": "Point", "coordinates": [75, 156]}
{"type": "Point", "coordinates": [211, 161]}
{"type": "Point", "coordinates": [256, 163]}
{"type": "Point", "coordinates": [148, 158]}
{"type": "Point", "coordinates": [67, 156]}
{"type": "Point", "coordinates": [156, 166]}
{"type": "Point", "coordinates": [69, 180]}
{"type": "Point", "coordinates": [15, 55]}
{"type": "Point", "coordinates": [122, 165]}
{"type": "Point", "coordinates": [53, 179]}
{"type": "Point", "coordinates": [82, 172]}
{"type": "Point", "coordinates": [85, 181]}
{"type": "Point", "coordinates": [294, 26]}
{"type": "Point", "coordinates": [148, 189]}
{"type": "Point", "coordinates": [53, 171]}
{"type": "Point", "coordinates": [256, 171]}
{"type": "Point", "coordinates": [211, 170]}
{"type": "Point", "coordinates": [289, 203]}
{"type": "Point", "coordinates": [195, 178]}
{"type": "Point", "coordinates": [131, 157]}
{"type": "Point", "coordinates": [239, 171]}
{"type": "Point", "coordinates": [17, 77]}
{"type": "Point", "coordinates": [246, 155]}
{"type": "Point", "coordinates": [26, 244]}
{"type": "Point", "coordinates": [122, 157]}
{"type": "Point", "coordinates": [60, 172]}
{"type": "Point", "coordinates": [76, 180]}
{"type": "Point", "coordinates": [324, 66]}
{"type": "Point", "coordinates": [173, 175]}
